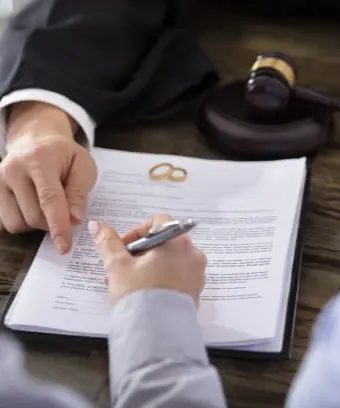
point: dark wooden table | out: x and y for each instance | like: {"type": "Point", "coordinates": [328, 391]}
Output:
{"type": "Point", "coordinates": [232, 42]}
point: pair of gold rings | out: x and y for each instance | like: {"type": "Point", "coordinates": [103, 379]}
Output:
{"type": "Point", "coordinates": [166, 171]}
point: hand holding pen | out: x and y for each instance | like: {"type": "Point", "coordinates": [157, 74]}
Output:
{"type": "Point", "coordinates": [177, 268]}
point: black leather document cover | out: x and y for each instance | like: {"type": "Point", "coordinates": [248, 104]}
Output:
{"type": "Point", "coordinates": [67, 342]}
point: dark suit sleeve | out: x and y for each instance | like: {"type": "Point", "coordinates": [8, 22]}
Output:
{"type": "Point", "coordinates": [122, 60]}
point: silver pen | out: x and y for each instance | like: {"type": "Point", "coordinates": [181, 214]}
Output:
{"type": "Point", "coordinates": [160, 235]}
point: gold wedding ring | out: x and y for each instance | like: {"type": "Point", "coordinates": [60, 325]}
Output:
{"type": "Point", "coordinates": [169, 172]}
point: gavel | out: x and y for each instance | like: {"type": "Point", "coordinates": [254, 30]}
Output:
{"type": "Point", "coordinates": [268, 114]}
{"type": "Point", "coordinates": [272, 82]}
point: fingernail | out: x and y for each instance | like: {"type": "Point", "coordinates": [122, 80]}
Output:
{"type": "Point", "coordinates": [60, 244]}
{"type": "Point", "coordinates": [94, 228]}
{"type": "Point", "coordinates": [77, 214]}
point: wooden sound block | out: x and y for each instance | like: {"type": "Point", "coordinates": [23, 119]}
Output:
{"type": "Point", "coordinates": [226, 122]}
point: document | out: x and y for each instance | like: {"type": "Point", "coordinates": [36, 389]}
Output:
{"type": "Point", "coordinates": [245, 213]}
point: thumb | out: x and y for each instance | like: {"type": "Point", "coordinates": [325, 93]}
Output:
{"type": "Point", "coordinates": [79, 182]}
{"type": "Point", "coordinates": [107, 241]}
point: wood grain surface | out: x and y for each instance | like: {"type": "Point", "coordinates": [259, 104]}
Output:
{"type": "Point", "coordinates": [232, 41]}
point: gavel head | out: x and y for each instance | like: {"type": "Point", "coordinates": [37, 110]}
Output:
{"type": "Point", "coordinates": [269, 85]}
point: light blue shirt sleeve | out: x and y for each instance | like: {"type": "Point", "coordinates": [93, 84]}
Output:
{"type": "Point", "coordinates": [317, 383]}
{"type": "Point", "coordinates": [158, 360]}
{"type": "Point", "coordinates": [157, 354]}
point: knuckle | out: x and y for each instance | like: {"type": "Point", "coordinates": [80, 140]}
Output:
{"type": "Point", "coordinates": [13, 229]}
{"type": "Point", "coordinates": [41, 157]}
{"type": "Point", "coordinates": [33, 158]}
{"type": "Point", "coordinates": [105, 236]}
{"type": "Point", "coordinates": [54, 230]}
{"type": "Point", "coordinates": [34, 219]}
{"type": "Point", "coordinates": [185, 241]}
{"type": "Point", "coordinates": [47, 196]}
{"type": "Point", "coordinates": [36, 152]}
{"type": "Point", "coordinates": [16, 227]}
{"type": "Point", "coordinates": [76, 196]}
{"type": "Point", "coordinates": [9, 168]}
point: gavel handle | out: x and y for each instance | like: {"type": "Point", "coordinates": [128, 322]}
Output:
{"type": "Point", "coordinates": [309, 95]}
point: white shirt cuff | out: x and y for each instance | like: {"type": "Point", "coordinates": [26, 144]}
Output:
{"type": "Point", "coordinates": [85, 122]}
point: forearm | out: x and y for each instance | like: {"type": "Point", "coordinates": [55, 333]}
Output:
{"type": "Point", "coordinates": [157, 355]}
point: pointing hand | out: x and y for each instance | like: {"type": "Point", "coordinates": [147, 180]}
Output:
{"type": "Point", "coordinates": [45, 177]}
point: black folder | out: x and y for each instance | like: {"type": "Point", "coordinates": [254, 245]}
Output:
{"type": "Point", "coordinates": [49, 341]}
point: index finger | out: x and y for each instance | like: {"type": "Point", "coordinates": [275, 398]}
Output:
{"type": "Point", "coordinates": [53, 203]}
{"type": "Point", "coordinates": [142, 230]}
